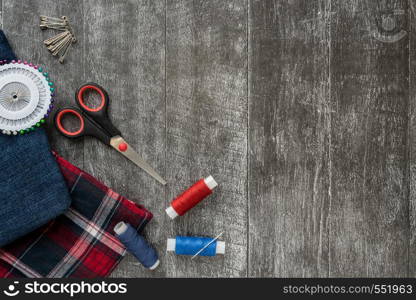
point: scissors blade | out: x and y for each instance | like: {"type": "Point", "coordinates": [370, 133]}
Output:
{"type": "Point", "coordinates": [121, 146]}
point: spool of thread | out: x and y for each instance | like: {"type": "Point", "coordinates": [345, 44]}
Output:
{"type": "Point", "coordinates": [137, 245]}
{"type": "Point", "coordinates": [190, 245]}
{"type": "Point", "coordinates": [191, 197]}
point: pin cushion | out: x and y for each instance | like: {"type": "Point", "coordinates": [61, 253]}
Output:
{"type": "Point", "coordinates": [26, 96]}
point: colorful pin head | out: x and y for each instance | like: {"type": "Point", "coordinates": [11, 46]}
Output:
{"type": "Point", "coordinates": [25, 97]}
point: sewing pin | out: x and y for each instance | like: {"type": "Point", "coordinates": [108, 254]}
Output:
{"type": "Point", "coordinates": [69, 27]}
{"type": "Point", "coordinates": [59, 42]}
{"type": "Point", "coordinates": [51, 19]}
{"type": "Point", "coordinates": [53, 23]}
{"type": "Point", "coordinates": [55, 38]}
{"type": "Point", "coordinates": [61, 59]}
{"type": "Point", "coordinates": [59, 46]}
{"type": "Point", "coordinates": [62, 49]}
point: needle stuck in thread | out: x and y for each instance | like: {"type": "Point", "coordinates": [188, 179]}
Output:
{"type": "Point", "coordinates": [203, 248]}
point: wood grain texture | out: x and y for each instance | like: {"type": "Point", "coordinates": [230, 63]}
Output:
{"type": "Point", "coordinates": [305, 119]}
{"type": "Point", "coordinates": [21, 25]}
{"type": "Point", "coordinates": [412, 137]}
{"type": "Point", "coordinates": [289, 123]}
{"type": "Point", "coordinates": [369, 104]}
{"type": "Point", "coordinates": [125, 53]}
{"type": "Point", "coordinates": [1, 14]}
{"type": "Point", "coordinates": [206, 100]}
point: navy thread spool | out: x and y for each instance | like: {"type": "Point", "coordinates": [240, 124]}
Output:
{"type": "Point", "coordinates": [190, 245]}
{"type": "Point", "coordinates": [137, 245]}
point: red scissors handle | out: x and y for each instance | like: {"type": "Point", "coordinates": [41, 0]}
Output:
{"type": "Point", "coordinates": [87, 125]}
{"type": "Point", "coordinates": [99, 114]}
{"type": "Point", "coordinates": [99, 90]}
{"type": "Point", "coordinates": [60, 126]}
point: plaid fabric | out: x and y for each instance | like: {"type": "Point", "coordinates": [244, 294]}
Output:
{"type": "Point", "coordinates": [79, 243]}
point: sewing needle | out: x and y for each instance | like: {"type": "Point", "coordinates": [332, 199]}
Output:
{"type": "Point", "coordinates": [216, 238]}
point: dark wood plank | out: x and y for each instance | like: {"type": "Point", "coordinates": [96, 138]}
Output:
{"type": "Point", "coordinates": [412, 137]}
{"type": "Point", "coordinates": [369, 103]}
{"type": "Point", "coordinates": [289, 123]}
{"type": "Point", "coordinates": [207, 127]}
{"type": "Point", "coordinates": [21, 25]}
{"type": "Point", "coordinates": [125, 53]}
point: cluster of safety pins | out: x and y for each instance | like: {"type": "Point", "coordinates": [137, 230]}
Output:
{"type": "Point", "coordinates": [59, 44]}
{"type": "Point", "coordinates": [181, 245]}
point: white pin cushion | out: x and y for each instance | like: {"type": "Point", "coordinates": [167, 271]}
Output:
{"type": "Point", "coordinates": [26, 96]}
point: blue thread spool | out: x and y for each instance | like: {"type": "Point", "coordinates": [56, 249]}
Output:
{"type": "Point", "coordinates": [190, 245]}
{"type": "Point", "coordinates": [137, 245]}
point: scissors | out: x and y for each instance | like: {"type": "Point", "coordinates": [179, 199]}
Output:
{"type": "Point", "coordinates": [95, 122]}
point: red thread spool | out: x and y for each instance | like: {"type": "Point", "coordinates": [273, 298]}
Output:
{"type": "Point", "coordinates": [191, 197]}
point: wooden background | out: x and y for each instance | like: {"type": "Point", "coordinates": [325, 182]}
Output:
{"type": "Point", "coordinates": [304, 118]}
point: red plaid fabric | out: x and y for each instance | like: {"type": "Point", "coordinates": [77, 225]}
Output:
{"type": "Point", "coordinates": [80, 243]}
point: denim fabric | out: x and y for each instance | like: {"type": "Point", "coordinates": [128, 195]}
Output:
{"type": "Point", "coordinates": [6, 51]}
{"type": "Point", "coordinates": [32, 189]}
